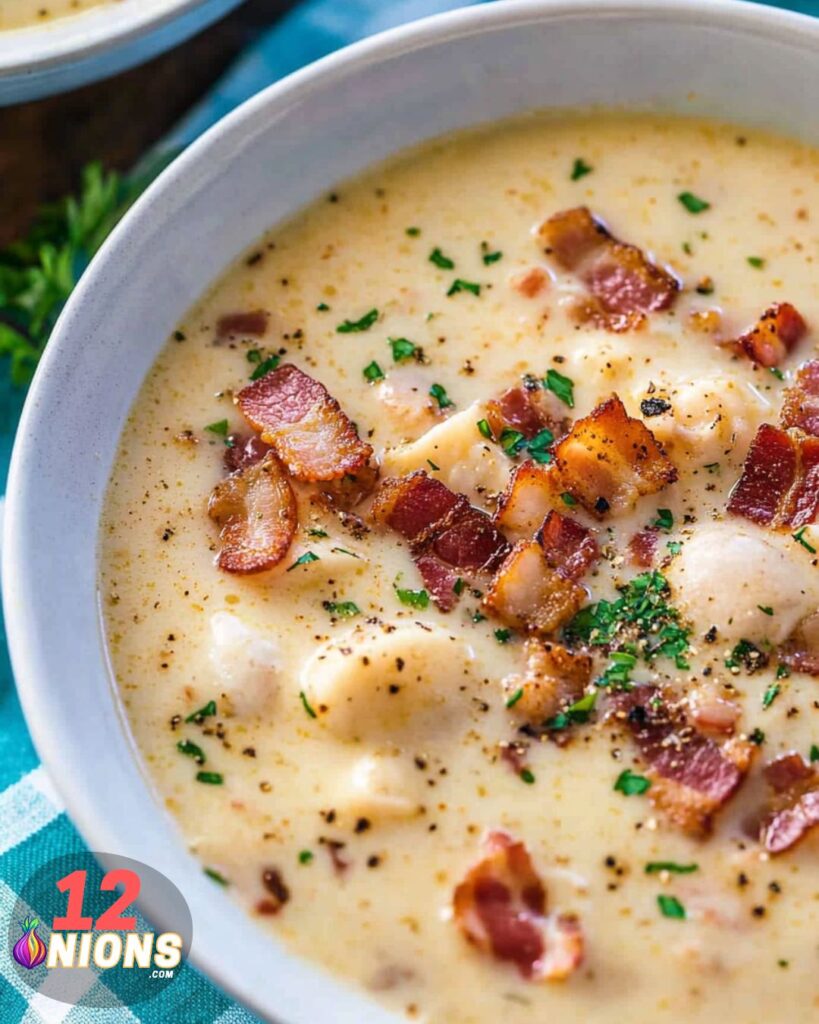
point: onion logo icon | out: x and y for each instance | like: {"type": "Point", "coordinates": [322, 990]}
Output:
{"type": "Point", "coordinates": [29, 950]}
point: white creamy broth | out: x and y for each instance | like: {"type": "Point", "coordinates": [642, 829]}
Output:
{"type": "Point", "coordinates": [22, 13]}
{"type": "Point", "coordinates": [409, 781]}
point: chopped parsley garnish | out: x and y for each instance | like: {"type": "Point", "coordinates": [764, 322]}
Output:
{"type": "Point", "coordinates": [503, 636]}
{"type": "Point", "coordinates": [771, 694]}
{"type": "Point", "coordinates": [782, 671]}
{"type": "Point", "coordinates": [254, 355]}
{"type": "Point", "coordinates": [413, 232]}
{"type": "Point", "coordinates": [304, 559]}
{"type": "Point", "coordinates": [344, 609]}
{"type": "Point", "coordinates": [433, 466]}
{"type": "Point", "coordinates": [814, 752]}
{"type": "Point", "coordinates": [220, 427]}
{"type": "Point", "coordinates": [528, 776]}
{"type": "Point", "coordinates": [693, 203]}
{"type": "Point", "coordinates": [712, 467]}
{"type": "Point", "coordinates": [514, 698]}
{"type": "Point", "coordinates": [776, 372]}
{"type": "Point", "coordinates": [512, 441]}
{"type": "Point", "coordinates": [216, 876]}
{"type": "Point", "coordinates": [305, 856]}
{"type": "Point", "coordinates": [459, 285]}
{"type": "Point", "coordinates": [206, 711]}
{"type": "Point", "coordinates": [748, 656]}
{"type": "Point", "coordinates": [561, 386]}
{"type": "Point", "coordinates": [491, 257]}
{"type": "Point", "coordinates": [664, 520]}
{"type": "Point", "coordinates": [630, 784]}
{"type": "Point", "coordinates": [485, 430]}
{"type": "Point", "coordinates": [575, 714]}
{"type": "Point", "coordinates": [438, 392]}
{"type": "Point", "coordinates": [305, 703]}
{"type": "Point", "coordinates": [441, 261]}
{"type": "Point", "coordinates": [316, 532]}
{"type": "Point", "coordinates": [191, 750]}
{"type": "Point", "coordinates": [265, 366]}
{"type": "Point", "coordinates": [580, 169]}
{"type": "Point", "coordinates": [322, 307]}
{"type": "Point", "coordinates": [479, 617]}
{"type": "Point", "coordinates": [618, 673]}
{"type": "Point", "coordinates": [413, 598]}
{"type": "Point", "coordinates": [674, 546]}
{"type": "Point", "coordinates": [756, 261]}
{"type": "Point", "coordinates": [458, 586]}
{"type": "Point", "coordinates": [568, 499]}
{"type": "Point", "coordinates": [402, 348]}
{"type": "Point", "coordinates": [765, 609]}
{"type": "Point", "coordinates": [670, 906]}
{"type": "Point", "coordinates": [654, 867]}
{"type": "Point", "coordinates": [344, 551]}
{"type": "Point", "coordinates": [210, 778]}
{"type": "Point", "coordinates": [757, 737]}
{"type": "Point", "coordinates": [373, 372]}
{"type": "Point", "coordinates": [799, 537]}
{"type": "Point", "coordinates": [363, 324]}
{"type": "Point", "coordinates": [538, 447]}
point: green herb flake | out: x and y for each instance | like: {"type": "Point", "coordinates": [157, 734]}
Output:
{"type": "Point", "coordinates": [693, 203]}
{"type": "Point", "coordinates": [617, 675]}
{"type": "Point", "coordinates": [654, 867]}
{"type": "Point", "coordinates": [459, 285]}
{"type": "Point", "coordinates": [344, 609]}
{"type": "Point", "coordinates": [402, 348]}
{"type": "Point", "coordinates": [305, 703]}
{"type": "Point", "coordinates": [344, 551]}
{"type": "Point", "coordinates": [485, 430]}
{"type": "Point", "coordinates": [561, 386]}
{"type": "Point", "coordinates": [799, 537]}
{"type": "Point", "coordinates": [210, 778]}
{"type": "Point", "coordinates": [539, 446]}
{"type": "Point", "coordinates": [220, 428]}
{"type": "Point", "coordinates": [438, 392]}
{"type": "Point", "coordinates": [458, 586]}
{"type": "Point", "coordinates": [413, 598]}
{"type": "Point", "coordinates": [527, 776]}
{"type": "Point", "coordinates": [322, 307]}
{"type": "Point", "coordinates": [664, 520]}
{"type": "Point", "coordinates": [512, 441]}
{"type": "Point", "coordinates": [191, 750]}
{"type": "Point", "coordinates": [765, 609]}
{"type": "Point", "coordinates": [265, 366]}
{"type": "Point", "coordinates": [814, 752]}
{"type": "Point", "coordinates": [757, 737]}
{"type": "Point", "coordinates": [206, 711]}
{"type": "Point", "coordinates": [304, 559]}
{"type": "Point", "coordinates": [757, 262]}
{"type": "Point", "coordinates": [516, 696]}
{"type": "Point", "coordinates": [630, 784]}
{"type": "Point", "coordinates": [568, 499]}
{"type": "Point", "coordinates": [776, 372]}
{"type": "Point", "coordinates": [373, 372]}
{"type": "Point", "coordinates": [433, 466]}
{"type": "Point", "coordinates": [580, 169]}
{"type": "Point", "coordinates": [712, 467]}
{"type": "Point", "coordinates": [314, 531]}
{"type": "Point", "coordinates": [355, 326]}
{"type": "Point", "coordinates": [413, 232]}
{"type": "Point", "coordinates": [503, 636]}
{"type": "Point", "coordinates": [670, 906]}
{"type": "Point", "coordinates": [441, 261]}
{"type": "Point", "coordinates": [491, 257]}
{"type": "Point", "coordinates": [771, 694]}
{"type": "Point", "coordinates": [305, 856]}
{"type": "Point", "coordinates": [254, 355]}
{"type": "Point", "coordinates": [782, 671]}
{"type": "Point", "coordinates": [216, 876]}
{"type": "Point", "coordinates": [674, 547]}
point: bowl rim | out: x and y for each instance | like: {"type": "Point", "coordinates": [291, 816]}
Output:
{"type": "Point", "coordinates": [46, 728]}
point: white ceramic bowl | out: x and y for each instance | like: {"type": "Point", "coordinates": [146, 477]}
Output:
{"type": "Point", "coordinates": [69, 52]}
{"type": "Point", "coordinates": [284, 148]}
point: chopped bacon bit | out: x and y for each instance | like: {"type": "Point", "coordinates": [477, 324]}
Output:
{"type": "Point", "coordinates": [795, 807]}
{"type": "Point", "coordinates": [801, 651]}
{"type": "Point", "coordinates": [256, 510]}
{"type": "Point", "coordinates": [712, 713]}
{"type": "Point", "coordinates": [445, 532]}
{"type": "Point", "coordinates": [800, 407]}
{"type": "Point", "coordinates": [553, 679]}
{"type": "Point", "coordinates": [622, 280]}
{"type": "Point", "coordinates": [527, 593]}
{"type": "Point", "coordinates": [609, 459]}
{"type": "Point", "coordinates": [297, 416]}
{"type": "Point", "coordinates": [776, 332]}
{"type": "Point", "coordinates": [532, 492]}
{"type": "Point", "coordinates": [530, 283]}
{"type": "Point", "coordinates": [244, 451]}
{"type": "Point", "coordinates": [570, 548]}
{"type": "Point", "coordinates": [240, 325]}
{"type": "Point", "coordinates": [501, 908]}
{"type": "Point", "coordinates": [527, 409]}
{"type": "Point", "coordinates": [779, 485]}
{"type": "Point", "coordinates": [692, 776]}
{"type": "Point", "coordinates": [643, 548]}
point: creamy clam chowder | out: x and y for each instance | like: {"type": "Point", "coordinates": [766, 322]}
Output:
{"type": "Point", "coordinates": [459, 574]}
{"type": "Point", "coordinates": [22, 13]}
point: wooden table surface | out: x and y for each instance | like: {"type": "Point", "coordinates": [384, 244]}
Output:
{"type": "Point", "coordinates": [44, 145]}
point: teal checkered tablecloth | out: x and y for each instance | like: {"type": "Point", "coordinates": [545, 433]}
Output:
{"type": "Point", "coordinates": [33, 825]}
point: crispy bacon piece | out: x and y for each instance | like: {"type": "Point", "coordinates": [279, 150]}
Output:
{"type": "Point", "coordinates": [244, 451]}
{"type": "Point", "coordinates": [532, 492]}
{"type": "Point", "coordinates": [643, 548]}
{"type": "Point", "coordinates": [801, 651]}
{"type": "Point", "coordinates": [692, 776]}
{"type": "Point", "coordinates": [241, 325]}
{"type": "Point", "coordinates": [776, 332]}
{"type": "Point", "coordinates": [256, 510]}
{"type": "Point", "coordinates": [711, 712]}
{"type": "Point", "coordinates": [779, 485]}
{"type": "Point", "coordinates": [501, 909]}
{"type": "Point", "coordinates": [624, 283]}
{"type": "Point", "coordinates": [795, 805]}
{"type": "Point", "coordinates": [527, 593]}
{"type": "Point", "coordinates": [448, 536]}
{"type": "Point", "coordinates": [296, 415]}
{"type": "Point", "coordinates": [526, 409]}
{"type": "Point", "coordinates": [570, 547]}
{"type": "Point", "coordinates": [553, 678]}
{"type": "Point", "coordinates": [609, 459]}
{"type": "Point", "coordinates": [800, 407]}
